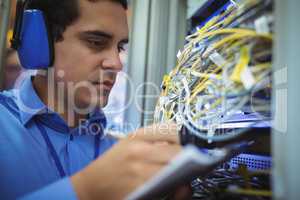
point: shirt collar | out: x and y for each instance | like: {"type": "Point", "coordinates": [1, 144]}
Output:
{"type": "Point", "coordinates": [91, 124]}
{"type": "Point", "coordinates": [29, 103]}
{"type": "Point", "coordinates": [98, 116]}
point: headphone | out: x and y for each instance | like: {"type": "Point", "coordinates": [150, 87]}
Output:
{"type": "Point", "coordinates": [31, 38]}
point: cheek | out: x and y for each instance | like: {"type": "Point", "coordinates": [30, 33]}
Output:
{"type": "Point", "coordinates": [85, 98]}
{"type": "Point", "coordinates": [75, 62]}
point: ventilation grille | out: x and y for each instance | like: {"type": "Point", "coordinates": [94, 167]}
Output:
{"type": "Point", "coordinates": [253, 162]}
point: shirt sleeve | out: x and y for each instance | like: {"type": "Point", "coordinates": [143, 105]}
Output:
{"type": "Point", "coordinates": [59, 190]}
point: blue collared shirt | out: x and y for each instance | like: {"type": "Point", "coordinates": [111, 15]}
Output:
{"type": "Point", "coordinates": [27, 169]}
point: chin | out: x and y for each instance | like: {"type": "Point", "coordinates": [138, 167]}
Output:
{"type": "Point", "coordinates": [88, 105]}
{"type": "Point", "coordinates": [100, 103]}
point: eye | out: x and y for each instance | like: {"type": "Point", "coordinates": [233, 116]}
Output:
{"type": "Point", "coordinates": [95, 42]}
{"type": "Point", "coordinates": [123, 47]}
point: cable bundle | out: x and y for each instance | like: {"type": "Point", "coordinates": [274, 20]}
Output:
{"type": "Point", "coordinates": [225, 68]}
{"type": "Point", "coordinates": [230, 184]}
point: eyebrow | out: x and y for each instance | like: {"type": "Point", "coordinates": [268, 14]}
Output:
{"type": "Point", "coordinates": [97, 33]}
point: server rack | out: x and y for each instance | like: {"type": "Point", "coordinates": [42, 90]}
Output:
{"type": "Point", "coordinates": [284, 136]}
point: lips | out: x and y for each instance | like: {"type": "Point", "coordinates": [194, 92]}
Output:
{"type": "Point", "coordinates": [107, 84]}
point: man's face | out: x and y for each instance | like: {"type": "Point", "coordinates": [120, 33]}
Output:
{"type": "Point", "coordinates": [89, 54]}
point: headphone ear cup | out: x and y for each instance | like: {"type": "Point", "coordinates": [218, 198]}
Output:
{"type": "Point", "coordinates": [36, 46]}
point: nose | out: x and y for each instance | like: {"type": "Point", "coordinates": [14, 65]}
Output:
{"type": "Point", "coordinates": [113, 61]}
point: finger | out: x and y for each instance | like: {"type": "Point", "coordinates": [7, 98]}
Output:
{"type": "Point", "coordinates": [161, 153]}
{"type": "Point", "coordinates": [149, 170]}
{"type": "Point", "coordinates": [166, 132]}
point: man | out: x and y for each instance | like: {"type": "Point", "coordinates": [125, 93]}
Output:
{"type": "Point", "coordinates": [45, 152]}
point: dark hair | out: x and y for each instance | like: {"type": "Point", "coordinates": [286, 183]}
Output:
{"type": "Point", "coordinates": [61, 13]}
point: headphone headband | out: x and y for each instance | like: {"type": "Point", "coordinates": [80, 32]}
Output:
{"type": "Point", "coordinates": [16, 41]}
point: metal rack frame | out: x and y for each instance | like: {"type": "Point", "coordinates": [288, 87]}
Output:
{"type": "Point", "coordinates": [158, 32]}
{"type": "Point", "coordinates": [4, 21]}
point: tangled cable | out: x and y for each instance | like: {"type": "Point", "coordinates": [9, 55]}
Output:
{"type": "Point", "coordinates": [224, 68]}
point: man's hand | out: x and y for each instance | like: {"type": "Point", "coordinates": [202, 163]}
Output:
{"type": "Point", "coordinates": [129, 164]}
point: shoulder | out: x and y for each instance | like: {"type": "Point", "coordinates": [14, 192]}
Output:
{"type": "Point", "coordinates": [10, 123]}
{"type": "Point", "coordinates": [8, 105]}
